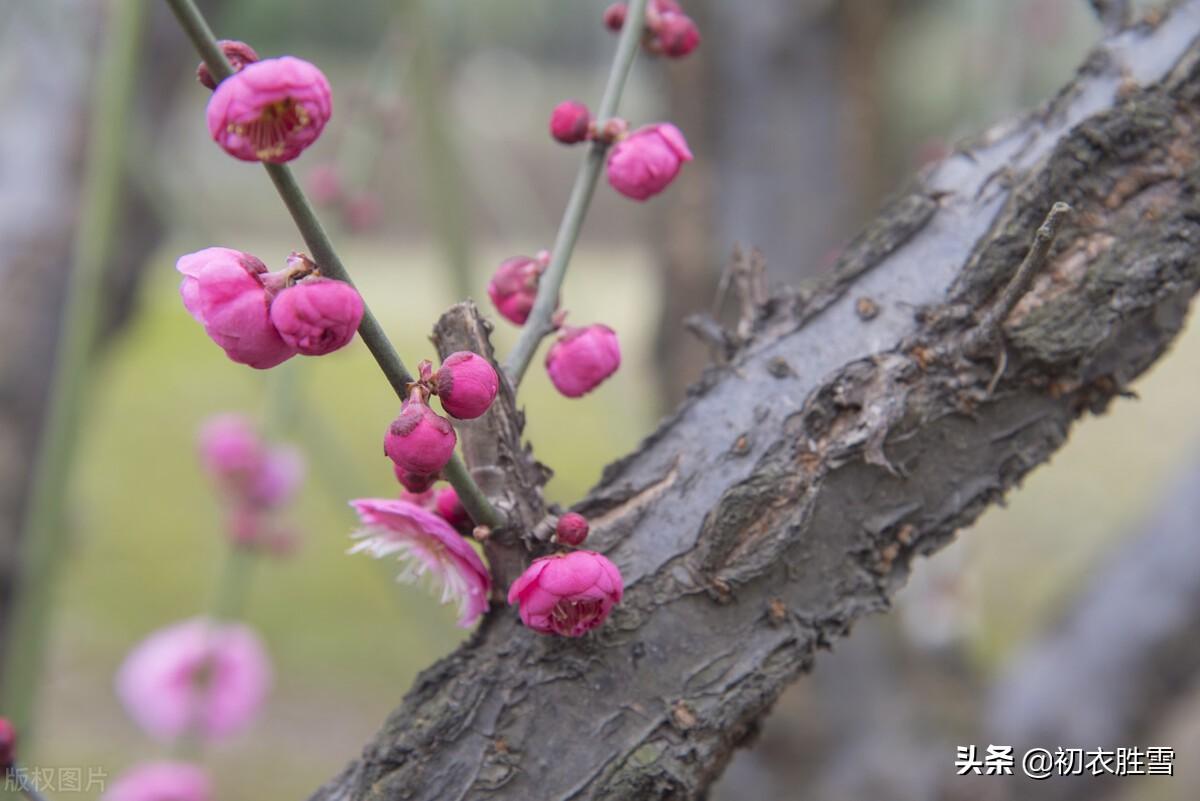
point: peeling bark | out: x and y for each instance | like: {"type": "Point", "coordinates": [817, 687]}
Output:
{"type": "Point", "coordinates": [787, 495]}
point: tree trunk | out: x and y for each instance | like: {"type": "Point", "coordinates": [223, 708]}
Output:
{"type": "Point", "coordinates": [861, 424]}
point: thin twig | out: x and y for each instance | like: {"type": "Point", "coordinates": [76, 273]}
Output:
{"type": "Point", "coordinates": [322, 251]}
{"type": "Point", "coordinates": [988, 327]}
{"type": "Point", "coordinates": [44, 528]}
{"type": "Point", "coordinates": [540, 325]}
{"type": "Point", "coordinates": [1113, 14]}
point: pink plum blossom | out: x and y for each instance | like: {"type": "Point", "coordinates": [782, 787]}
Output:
{"type": "Point", "coordinates": [239, 54]}
{"type": "Point", "coordinates": [466, 384]}
{"type": "Point", "coordinates": [676, 34]}
{"type": "Point", "coordinates": [514, 286]}
{"type": "Point", "coordinates": [317, 315]}
{"type": "Point", "coordinates": [161, 781]}
{"type": "Point", "coordinates": [195, 676]}
{"type": "Point", "coordinates": [569, 122]}
{"type": "Point", "coordinates": [419, 441]}
{"type": "Point", "coordinates": [571, 529]}
{"type": "Point", "coordinates": [223, 290]}
{"type": "Point", "coordinates": [279, 475]}
{"type": "Point", "coordinates": [567, 594]}
{"type": "Point", "coordinates": [271, 110]}
{"type": "Point", "coordinates": [429, 545]}
{"type": "Point", "coordinates": [582, 359]}
{"type": "Point", "coordinates": [230, 448]}
{"type": "Point", "coordinates": [647, 161]}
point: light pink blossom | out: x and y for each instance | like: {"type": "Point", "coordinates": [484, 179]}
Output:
{"type": "Point", "coordinates": [278, 477]}
{"type": "Point", "coordinates": [582, 358]}
{"type": "Point", "coordinates": [429, 546]}
{"type": "Point", "coordinates": [419, 441]}
{"type": "Point", "coordinates": [195, 676]}
{"type": "Point", "coordinates": [647, 161]}
{"type": "Point", "coordinates": [569, 122]}
{"type": "Point", "coordinates": [271, 110]}
{"type": "Point", "coordinates": [514, 286]}
{"type": "Point", "coordinates": [317, 315]}
{"type": "Point", "coordinates": [161, 781]}
{"type": "Point", "coordinates": [223, 290]}
{"type": "Point", "coordinates": [230, 448]}
{"type": "Point", "coordinates": [567, 594]}
{"type": "Point", "coordinates": [466, 384]}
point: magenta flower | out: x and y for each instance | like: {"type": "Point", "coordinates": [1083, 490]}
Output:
{"type": "Point", "coordinates": [582, 359]}
{"type": "Point", "coordinates": [572, 529]}
{"type": "Point", "coordinates": [428, 544]}
{"type": "Point", "coordinates": [513, 288]}
{"type": "Point", "coordinates": [644, 164]}
{"type": "Point", "coordinates": [317, 315]}
{"type": "Point", "coordinates": [567, 594]}
{"type": "Point", "coordinates": [675, 34]}
{"type": "Point", "coordinates": [223, 290]}
{"type": "Point", "coordinates": [450, 508]}
{"type": "Point", "coordinates": [271, 110]}
{"type": "Point", "coordinates": [195, 676]}
{"type": "Point", "coordinates": [419, 441]}
{"type": "Point", "coordinates": [417, 483]}
{"type": "Point", "coordinates": [239, 55]}
{"type": "Point", "coordinates": [466, 384]}
{"type": "Point", "coordinates": [161, 781]}
{"type": "Point", "coordinates": [230, 448]}
{"type": "Point", "coordinates": [569, 122]}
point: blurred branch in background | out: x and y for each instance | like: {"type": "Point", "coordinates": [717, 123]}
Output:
{"type": "Point", "coordinates": [44, 522]}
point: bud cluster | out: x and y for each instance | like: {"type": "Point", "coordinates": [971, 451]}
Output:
{"type": "Point", "coordinates": [668, 31]}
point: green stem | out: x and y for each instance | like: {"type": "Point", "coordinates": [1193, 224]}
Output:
{"type": "Point", "coordinates": [44, 533]}
{"type": "Point", "coordinates": [540, 323]}
{"type": "Point", "coordinates": [321, 249]}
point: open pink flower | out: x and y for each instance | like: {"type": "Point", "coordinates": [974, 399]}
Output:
{"type": "Point", "coordinates": [223, 290]}
{"type": "Point", "coordinates": [582, 359]}
{"type": "Point", "coordinates": [514, 286]}
{"type": "Point", "coordinates": [466, 384]}
{"type": "Point", "coordinates": [647, 161]}
{"type": "Point", "coordinates": [317, 315]}
{"type": "Point", "coordinates": [161, 781]}
{"type": "Point", "coordinates": [567, 594]}
{"type": "Point", "coordinates": [195, 676]}
{"type": "Point", "coordinates": [429, 545]}
{"type": "Point", "coordinates": [419, 441]}
{"type": "Point", "coordinates": [271, 110]}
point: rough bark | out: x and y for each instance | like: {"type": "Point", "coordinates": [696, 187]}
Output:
{"type": "Point", "coordinates": [786, 497]}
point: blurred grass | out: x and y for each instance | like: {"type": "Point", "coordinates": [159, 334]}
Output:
{"type": "Point", "coordinates": [347, 642]}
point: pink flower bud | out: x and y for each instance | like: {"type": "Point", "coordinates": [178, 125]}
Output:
{"type": "Point", "coordinates": [161, 781]}
{"type": "Point", "coordinates": [676, 34]}
{"type": "Point", "coordinates": [230, 448]}
{"type": "Point", "coordinates": [582, 358]}
{"type": "Point", "coordinates": [278, 477]}
{"type": "Point", "coordinates": [426, 499]}
{"type": "Point", "coordinates": [317, 315]}
{"type": "Point", "coordinates": [647, 161]}
{"type": "Point", "coordinates": [467, 384]}
{"type": "Point", "coordinates": [418, 483]}
{"type": "Point", "coordinates": [325, 184]}
{"type": "Point", "coordinates": [567, 594]}
{"type": "Point", "coordinates": [569, 122]}
{"type": "Point", "coordinates": [270, 111]}
{"type": "Point", "coordinates": [513, 287]}
{"type": "Point", "coordinates": [419, 440]}
{"type": "Point", "coordinates": [8, 743]}
{"type": "Point", "coordinates": [223, 290]}
{"type": "Point", "coordinates": [614, 16]}
{"type": "Point", "coordinates": [239, 54]}
{"type": "Point", "coordinates": [363, 212]}
{"type": "Point", "coordinates": [453, 512]}
{"type": "Point", "coordinates": [572, 529]}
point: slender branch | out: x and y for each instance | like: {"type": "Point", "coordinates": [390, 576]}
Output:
{"type": "Point", "coordinates": [539, 324]}
{"type": "Point", "coordinates": [322, 250]}
{"type": "Point", "coordinates": [1113, 14]}
{"type": "Point", "coordinates": [44, 527]}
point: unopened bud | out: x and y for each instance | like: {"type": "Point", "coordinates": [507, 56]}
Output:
{"type": "Point", "coordinates": [8, 744]}
{"type": "Point", "coordinates": [572, 529]}
{"type": "Point", "coordinates": [239, 54]}
{"type": "Point", "coordinates": [614, 16]}
{"type": "Point", "coordinates": [569, 122]}
{"type": "Point", "coordinates": [466, 384]}
{"type": "Point", "coordinates": [420, 441]}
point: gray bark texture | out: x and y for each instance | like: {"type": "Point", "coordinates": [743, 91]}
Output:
{"type": "Point", "coordinates": [862, 422]}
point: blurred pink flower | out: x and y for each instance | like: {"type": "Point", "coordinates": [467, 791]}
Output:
{"type": "Point", "coordinates": [466, 385]}
{"type": "Point", "coordinates": [230, 448]}
{"type": "Point", "coordinates": [450, 508]}
{"type": "Point", "coordinates": [161, 781]}
{"type": "Point", "coordinates": [647, 161]}
{"type": "Point", "coordinates": [675, 34]}
{"type": "Point", "coordinates": [363, 212]}
{"type": "Point", "coordinates": [582, 359]}
{"type": "Point", "coordinates": [567, 594]}
{"type": "Point", "coordinates": [317, 315]}
{"type": "Point", "coordinates": [325, 184]}
{"type": "Point", "coordinates": [223, 290]}
{"type": "Point", "coordinates": [514, 286]}
{"type": "Point", "coordinates": [195, 676]}
{"type": "Point", "coordinates": [279, 475]}
{"type": "Point", "coordinates": [271, 110]}
{"type": "Point", "coordinates": [429, 545]}
{"type": "Point", "coordinates": [8, 743]}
